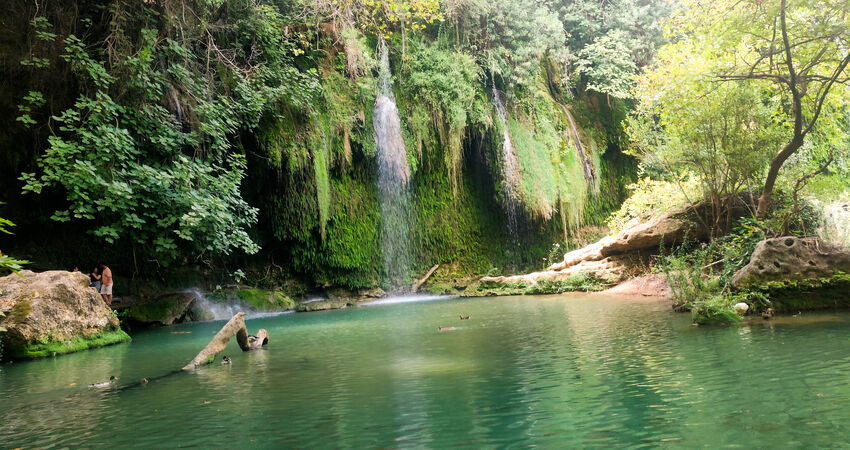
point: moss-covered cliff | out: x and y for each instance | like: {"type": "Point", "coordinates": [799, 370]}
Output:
{"type": "Point", "coordinates": [245, 126]}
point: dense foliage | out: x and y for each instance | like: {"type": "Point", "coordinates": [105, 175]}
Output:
{"type": "Point", "coordinates": [194, 131]}
{"type": "Point", "coordinates": [146, 148]}
{"type": "Point", "coordinates": [185, 130]}
{"type": "Point", "coordinates": [743, 90]}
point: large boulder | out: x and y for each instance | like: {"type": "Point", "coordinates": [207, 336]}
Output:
{"type": "Point", "coordinates": [671, 228]}
{"type": "Point", "coordinates": [51, 313]}
{"type": "Point", "coordinates": [792, 259]}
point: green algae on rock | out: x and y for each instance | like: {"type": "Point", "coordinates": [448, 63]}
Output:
{"type": "Point", "coordinates": [167, 309]}
{"type": "Point", "coordinates": [52, 347]}
{"type": "Point", "coordinates": [259, 299]}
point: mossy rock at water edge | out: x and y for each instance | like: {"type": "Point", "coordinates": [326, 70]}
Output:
{"type": "Point", "coordinates": [324, 305]}
{"type": "Point", "coordinates": [788, 296]}
{"type": "Point", "coordinates": [49, 347]}
{"type": "Point", "coordinates": [166, 310]}
{"type": "Point", "coordinates": [259, 299]}
{"type": "Point", "coordinates": [811, 294]}
{"type": "Point", "coordinates": [575, 283]}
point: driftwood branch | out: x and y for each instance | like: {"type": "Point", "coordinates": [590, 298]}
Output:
{"type": "Point", "coordinates": [418, 284]}
{"type": "Point", "coordinates": [234, 327]}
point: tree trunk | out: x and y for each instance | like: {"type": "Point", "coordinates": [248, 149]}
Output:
{"type": "Point", "coordinates": [776, 164]}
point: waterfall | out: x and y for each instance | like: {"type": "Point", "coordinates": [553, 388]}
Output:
{"type": "Point", "coordinates": [586, 163]}
{"type": "Point", "coordinates": [510, 165]}
{"type": "Point", "coordinates": [216, 310]}
{"type": "Point", "coordinates": [393, 176]}
{"type": "Point", "coordinates": [204, 309]}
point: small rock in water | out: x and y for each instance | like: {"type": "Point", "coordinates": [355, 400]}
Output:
{"type": "Point", "coordinates": [225, 360]}
{"type": "Point", "coordinates": [462, 317]}
{"type": "Point", "coordinates": [446, 328]}
{"type": "Point", "coordinates": [741, 308]}
{"type": "Point", "coordinates": [144, 381]}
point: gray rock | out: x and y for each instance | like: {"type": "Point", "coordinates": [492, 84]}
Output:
{"type": "Point", "coordinates": [324, 305]}
{"type": "Point", "coordinates": [792, 258]}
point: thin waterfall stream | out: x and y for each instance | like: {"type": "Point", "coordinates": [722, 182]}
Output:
{"type": "Point", "coordinates": [510, 165]}
{"type": "Point", "coordinates": [586, 163]}
{"type": "Point", "coordinates": [393, 176]}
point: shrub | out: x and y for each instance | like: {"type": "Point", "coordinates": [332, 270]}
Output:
{"type": "Point", "coordinates": [700, 274]}
{"type": "Point", "coordinates": [715, 310]}
{"type": "Point", "coordinates": [578, 282]}
{"type": "Point", "coordinates": [654, 196]}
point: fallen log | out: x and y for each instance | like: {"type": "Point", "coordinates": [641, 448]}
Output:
{"type": "Point", "coordinates": [417, 284]}
{"type": "Point", "coordinates": [234, 327]}
{"type": "Point", "coordinates": [261, 339]}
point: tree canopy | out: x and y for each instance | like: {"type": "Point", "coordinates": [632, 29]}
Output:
{"type": "Point", "coordinates": [742, 87]}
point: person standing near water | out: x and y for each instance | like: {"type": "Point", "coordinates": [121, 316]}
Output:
{"type": "Point", "coordinates": [106, 286]}
{"type": "Point", "coordinates": [94, 276]}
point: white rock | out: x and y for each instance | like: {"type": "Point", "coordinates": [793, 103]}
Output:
{"type": "Point", "coordinates": [741, 308]}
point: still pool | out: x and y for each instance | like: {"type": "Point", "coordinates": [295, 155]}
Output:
{"type": "Point", "coordinates": [555, 371]}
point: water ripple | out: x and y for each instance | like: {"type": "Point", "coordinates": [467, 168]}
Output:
{"type": "Point", "coordinates": [557, 371]}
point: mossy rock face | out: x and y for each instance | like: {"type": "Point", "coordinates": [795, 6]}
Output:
{"type": "Point", "coordinates": [164, 310]}
{"type": "Point", "coordinates": [806, 295]}
{"type": "Point", "coordinates": [259, 299]}
{"type": "Point", "coordinates": [439, 288]}
{"type": "Point", "coordinates": [49, 347]}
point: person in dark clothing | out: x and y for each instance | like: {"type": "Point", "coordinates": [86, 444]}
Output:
{"type": "Point", "coordinates": [95, 277]}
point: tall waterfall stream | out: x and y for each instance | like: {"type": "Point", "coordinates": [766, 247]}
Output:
{"type": "Point", "coordinates": [393, 176]}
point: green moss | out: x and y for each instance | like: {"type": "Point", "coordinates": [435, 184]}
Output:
{"type": "Point", "coordinates": [351, 254]}
{"type": "Point", "coordinates": [164, 310]}
{"type": "Point", "coordinates": [53, 348]}
{"type": "Point", "coordinates": [259, 299]}
{"type": "Point", "coordinates": [439, 288]}
{"type": "Point", "coordinates": [318, 200]}
{"type": "Point", "coordinates": [581, 282]}
{"type": "Point", "coordinates": [812, 294]}
{"type": "Point", "coordinates": [482, 289]}
{"type": "Point", "coordinates": [320, 171]}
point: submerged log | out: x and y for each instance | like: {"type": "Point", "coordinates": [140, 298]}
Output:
{"type": "Point", "coordinates": [417, 284]}
{"type": "Point", "coordinates": [234, 327]}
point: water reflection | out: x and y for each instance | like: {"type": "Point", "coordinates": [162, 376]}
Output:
{"type": "Point", "coordinates": [557, 371]}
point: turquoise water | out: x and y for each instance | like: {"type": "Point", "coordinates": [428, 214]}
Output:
{"type": "Point", "coordinates": [555, 371]}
